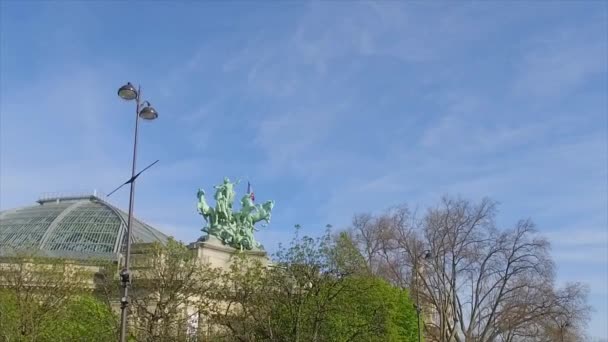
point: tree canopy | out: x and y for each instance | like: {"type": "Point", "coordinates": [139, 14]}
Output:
{"type": "Point", "coordinates": [43, 299]}
{"type": "Point", "coordinates": [469, 280]}
{"type": "Point", "coordinates": [317, 290]}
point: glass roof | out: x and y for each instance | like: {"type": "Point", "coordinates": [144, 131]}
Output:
{"type": "Point", "coordinates": [74, 227]}
{"type": "Point", "coordinates": [25, 227]}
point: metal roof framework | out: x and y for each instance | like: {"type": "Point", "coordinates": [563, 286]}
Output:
{"type": "Point", "coordinates": [71, 227]}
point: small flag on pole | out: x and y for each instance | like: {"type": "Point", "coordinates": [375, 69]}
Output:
{"type": "Point", "coordinates": [250, 192]}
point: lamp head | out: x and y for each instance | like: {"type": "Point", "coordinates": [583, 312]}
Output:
{"type": "Point", "coordinates": [148, 113]}
{"type": "Point", "coordinates": [127, 92]}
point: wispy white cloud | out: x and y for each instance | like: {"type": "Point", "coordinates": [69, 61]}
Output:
{"type": "Point", "coordinates": [183, 233]}
{"type": "Point", "coordinates": [292, 142]}
{"type": "Point", "coordinates": [579, 244]}
{"type": "Point", "coordinates": [22, 185]}
{"type": "Point", "coordinates": [474, 135]}
{"type": "Point", "coordinates": [579, 237]}
{"type": "Point", "coordinates": [55, 136]}
{"type": "Point", "coordinates": [561, 60]}
{"type": "Point", "coordinates": [596, 256]}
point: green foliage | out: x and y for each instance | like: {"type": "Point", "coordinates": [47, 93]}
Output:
{"type": "Point", "coordinates": [318, 290]}
{"type": "Point", "coordinates": [34, 292]}
{"type": "Point", "coordinates": [9, 316]}
{"type": "Point", "coordinates": [240, 301]}
{"type": "Point", "coordinates": [371, 310]}
{"type": "Point", "coordinates": [80, 318]}
{"type": "Point", "coordinates": [167, 278]}
{"type": "Point", "coordinates": [83, 318]}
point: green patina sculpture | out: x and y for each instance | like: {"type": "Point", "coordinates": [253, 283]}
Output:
{"type": "Point", "coordinates": [233, 228]}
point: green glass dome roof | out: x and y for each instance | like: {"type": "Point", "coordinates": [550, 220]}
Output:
{"type": "Point", "coordinates": [77, 227]}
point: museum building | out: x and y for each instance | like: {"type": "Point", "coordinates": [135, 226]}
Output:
{"type": "Point", "coordinates": [78, 227]}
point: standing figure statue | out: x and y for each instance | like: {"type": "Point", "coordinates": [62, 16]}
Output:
{"type": "Point", "coordinates": [224, 196]}
{"type": "Point", "coordinates": [221, 204]}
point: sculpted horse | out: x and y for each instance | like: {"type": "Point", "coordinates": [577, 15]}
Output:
{"type": "Point", "coordinates": [263, 212]}
{"type": "Point", "coordinates": [203, 208]}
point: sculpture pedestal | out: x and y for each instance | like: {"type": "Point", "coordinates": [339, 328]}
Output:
{"type": "Point", "coordinates": [218, 255]}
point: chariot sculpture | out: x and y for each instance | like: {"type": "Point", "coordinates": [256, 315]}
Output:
{"type": "Point", "coordinates": [233, 227]}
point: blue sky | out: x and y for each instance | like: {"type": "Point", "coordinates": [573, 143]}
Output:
{"type": "Point", "coordinates": [329, 108]}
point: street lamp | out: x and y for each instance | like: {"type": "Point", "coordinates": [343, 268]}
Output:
{"type": "Point", "coordinates": [427, 255]}
{"type": "Point", "coordinates": [128, 92]}
{"type": "Point", "coordinates": [145, 111]}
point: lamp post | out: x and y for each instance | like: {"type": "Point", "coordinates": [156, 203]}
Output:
{"type": "Point", "coordinates": [427, 255]}
{"type": "Point", "coordinates": [145, 111]}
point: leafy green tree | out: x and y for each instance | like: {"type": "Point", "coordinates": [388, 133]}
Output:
{"type": "Point", "coordinates": [82, 318]}
{"type": "Point", "coordinates": [35, 290]}
{"type": "Point", "coordinates": [240, 309]}
{"type": "Point", "coordinates": [170, 287]}
{"type": "Point", "coordinates": [371, 310]}
{"type": "Point", "coordinates": [317, 290]}
{"type": "Point", "coordinates": [9, 316]}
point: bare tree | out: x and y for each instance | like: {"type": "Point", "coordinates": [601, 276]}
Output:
{"type": "Point", "coordinates": [480, 283]}
{"type": "Point", "coordinates": [562, 320]}
{"type": "Point", "coordinates": [382, 241]}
